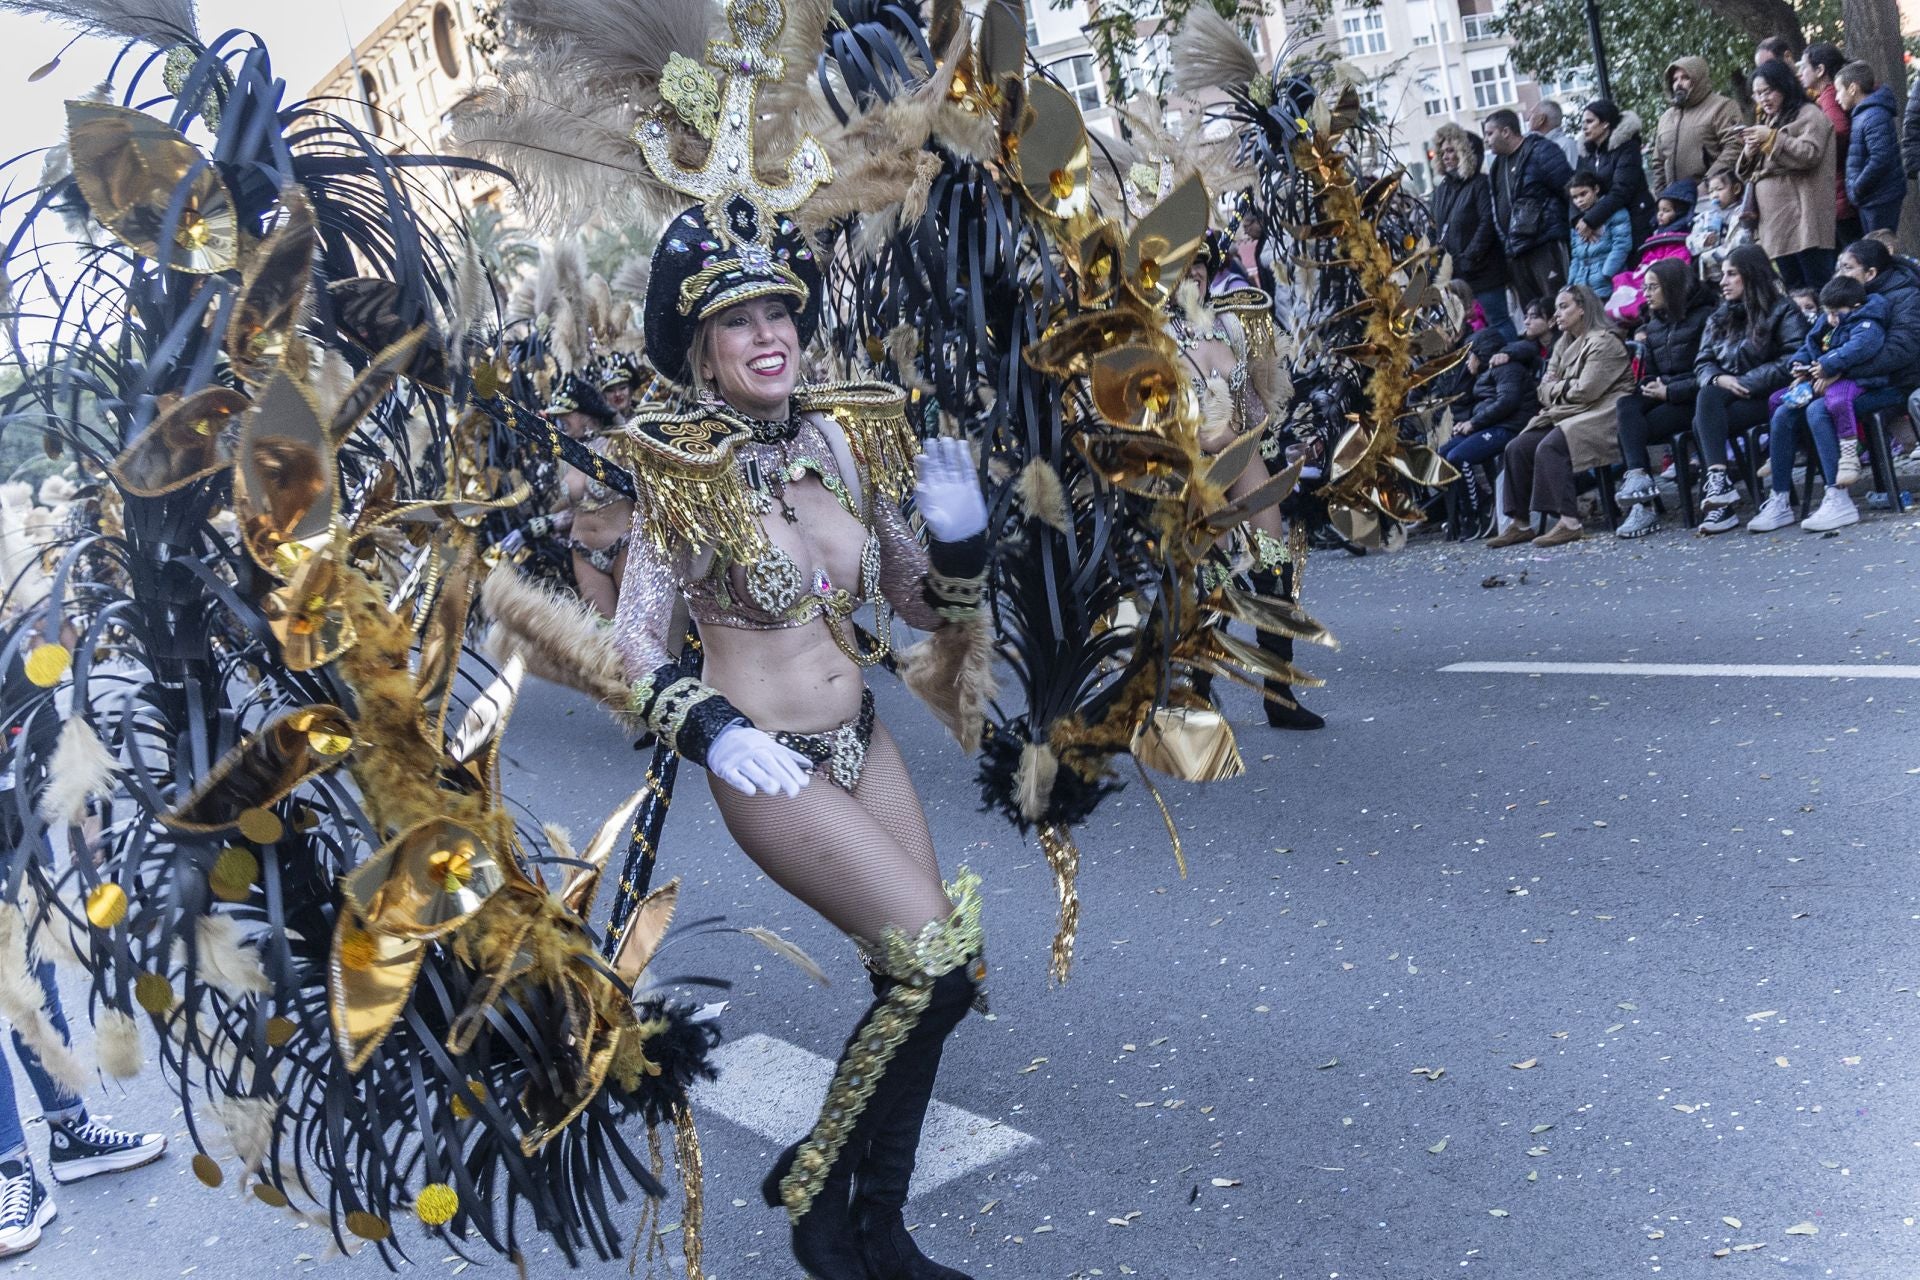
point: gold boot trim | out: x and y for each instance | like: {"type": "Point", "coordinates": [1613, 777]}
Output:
{"type": "Point", "coordinates": [914, 964]}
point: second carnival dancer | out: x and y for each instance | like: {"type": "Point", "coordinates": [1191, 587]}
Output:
{"type": "Point", "coordinates": [1225, 330]}
{"type": "Point", "coordinates": [773, 508]}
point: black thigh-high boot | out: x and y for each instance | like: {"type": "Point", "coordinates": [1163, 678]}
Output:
{"type": "Point", "coordinates": [880, 1180]}
{"type": "Point", "coordinates": [1283, 708]}
{"type": "Point", "coordinates": [813, 1179]}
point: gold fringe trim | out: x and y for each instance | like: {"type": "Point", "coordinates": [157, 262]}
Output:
{"type": "Point", "coordinates": [1063, 857]}
{"type": "Point", "coordinates": [874, 417]}
{"type": "Point", "coordinates": [693, 1213]}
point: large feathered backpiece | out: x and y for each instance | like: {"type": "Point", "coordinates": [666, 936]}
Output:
{"type": "Point", "coordinates": [1372, 331]}
{"type": "Point", "coordinates": [296, 879]}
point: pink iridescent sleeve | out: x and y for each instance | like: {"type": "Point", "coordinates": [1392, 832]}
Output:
{"type": "Point", "coordinates": [903, 566]}
{"type": "Point", "coordinates": [648, 594]}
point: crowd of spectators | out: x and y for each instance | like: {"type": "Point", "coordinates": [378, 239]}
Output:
{"type": "Point", "coordinates": [1725, 286]}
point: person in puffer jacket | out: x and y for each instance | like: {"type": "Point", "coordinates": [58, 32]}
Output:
{"type": "Point", "coordinates": [1595, 262]}
{"type": "Point", "coordinates": [1661, 404]}
{"type": "Point", "coordinates": [1504, 395]}
{"type": "Point", "coordinates": [1671, 238]}
{"type": "Point", "coordinates": [1875, 182]}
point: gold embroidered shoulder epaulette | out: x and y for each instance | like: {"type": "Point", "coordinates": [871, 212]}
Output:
{"type": "Point", "coordinates": [691, 489]}
{"type": "Point", "coordinates": [874, 417]}
{"type": "Point", "coordinates": [1253, 308]}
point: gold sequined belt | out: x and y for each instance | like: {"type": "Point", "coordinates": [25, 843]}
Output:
{"type": "Point", "coordinates": [842, 751]}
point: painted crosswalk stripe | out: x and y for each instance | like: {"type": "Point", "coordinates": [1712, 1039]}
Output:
{"type": "Point", "coordinates": [774, 1088]}
{"type": "Point", "coordinates": [1713, 670]}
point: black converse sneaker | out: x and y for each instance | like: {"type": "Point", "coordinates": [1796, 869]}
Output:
{"type": "Point", "coordinates": [83, 1147]}
{"type": "Point", "coordinates": [25, 1207]}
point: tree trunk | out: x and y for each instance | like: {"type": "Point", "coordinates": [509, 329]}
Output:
{"type": "Point", "coordinates": [1763, 18]}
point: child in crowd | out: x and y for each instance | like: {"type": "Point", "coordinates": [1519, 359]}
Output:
{"type": "Point", "coordinates": [1808, 300]}
{"type": "Point", "coordinates": [1672, 225]}
{"type": "Point", "coordinates": [1504, 397]}
{"type": "Point", "coordinates": [1717, 229]}
{"type": "Point", "coordinates": [1471, 312]}
{"type": "Point", "coordinates": [1876, 184]}
{"type": "Point", "coordinates": [1850, 331]}
{"type": "Point", "coordinates": [1594, 263]}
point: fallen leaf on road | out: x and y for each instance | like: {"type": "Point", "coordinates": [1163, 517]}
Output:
{"type": "Point", "coordinates": [1225, 1182]}
{"type": "Point", "coordinates": [1803, 1229]}
{"type": "Point", "coordinates": [1528, 1065]}
{"type": "Point", "coordinates": [1499, 1213]}
{"type": "Point", "coordinates": [1438, 1147]}
{"type": "Point", "coordinates": [1732, 1222]}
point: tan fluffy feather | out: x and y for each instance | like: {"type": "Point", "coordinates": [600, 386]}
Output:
{"type": "Point", "coordinates": [1042, 495]}
{"type": "Point", "coordinates": [248, 1123]}
{"type": "Point", "coordinates": [23, 1005]}
{"type": "Point", "coordinates": [53, 937]}
{"type": "Point", "coordinates": [81, 772]}
{"type": "Point", "coordinates": [617, 45]}
{"type": "Point", "coordinates": [116, 1041]}
{"type": "Point", "coordinates": [1207, 53]}
{"type": "Point", "coordinates": [952, 672]}
{"type": "Point", "coordinates": [226, 961]}
{"type": "Point", "coordinates": [630, 280]}
{"type": "Point", "coordinates": [570, 155]}
{"type": "Point", "coordinates": [788, 951]}
{"type": "Point", "coordinates": [561, 639]}
{"type": "Point", "coordinates": [1033, 781]}
{"type": "Point", "coordinates": [155, 22]}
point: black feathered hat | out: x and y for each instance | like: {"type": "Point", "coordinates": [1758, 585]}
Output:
{"type": "Point", "coordinates": [700, 270]}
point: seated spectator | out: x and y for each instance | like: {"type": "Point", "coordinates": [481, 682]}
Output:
{"type": "Point", "coordinates": [1895, 372]}
{"type": "Point", "coordinates": [1661, 405]}
{"type": "Point", "coordinates": [1672, 224]}
{"type": "Point", "coordinates": [1472, 314]}
{"type": "Point", "coordinates": [1594, 262]}
{"type": "Point", "coordinates": [1808, 300]}
{"type": "Point", "coordinates": [1875, 183]}
{"type": "Point", "coordinates": [1745, 355]}
{"type": "Point", "coordinates": [1850, 332]}
{"type": "Point", "coordinates": [1718, 228]}
{"type": "Point", "coordinates": [1574, 430]}
{"type": "Point", "coordinates": [1503, 398]}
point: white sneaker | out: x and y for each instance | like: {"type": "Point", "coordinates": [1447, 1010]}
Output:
{"type": "Point", "coordinates": [1777, 513]}
{"type": "Point", "coordinates": [1849, 470]}
{"type": "Point", "coordinates": [1836, 512]}
{"type": "Point", "coordinates": [1635, 486]}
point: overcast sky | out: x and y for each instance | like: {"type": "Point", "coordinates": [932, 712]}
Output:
{"type": "Point", "coordinates": [304, 37]}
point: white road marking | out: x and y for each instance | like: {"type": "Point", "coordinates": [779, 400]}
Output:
{"type": "Point", "coordinates": [1715, 670]}
{"type": "Point", "coordinates": [774, 1088]}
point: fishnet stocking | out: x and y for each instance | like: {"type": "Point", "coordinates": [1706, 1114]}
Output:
{"type": "Point", "coordinates": [864, 860]}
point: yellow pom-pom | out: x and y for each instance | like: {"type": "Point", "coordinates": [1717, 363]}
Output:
{"type": "Point", "coordinates": [437, 1204]}
{"type": "Point", "coordinates": [47, 663]}
{"type": "Point", "coordinates": [106, 905]}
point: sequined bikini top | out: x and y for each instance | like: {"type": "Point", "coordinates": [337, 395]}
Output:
{"type": "Point", "coordinates": [712, 476]}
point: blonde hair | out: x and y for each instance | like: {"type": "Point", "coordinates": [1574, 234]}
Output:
{"type": "Point", "coordinates": [702, 387]}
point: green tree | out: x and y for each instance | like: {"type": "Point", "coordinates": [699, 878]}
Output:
{"type": "Point", "coordinates": [1113, 29]}
{"type": "Point", "coordinates": [1642, 37]}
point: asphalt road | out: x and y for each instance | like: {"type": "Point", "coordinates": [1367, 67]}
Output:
{"type": "Point", "coordinates": [1500, 975]}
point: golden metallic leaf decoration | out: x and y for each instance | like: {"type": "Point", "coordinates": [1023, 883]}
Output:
{"type": "Point", "coordinates": [264, 768]}
{"type": "Point", "coordinates": [1191, 744]}
{"type": "Point", "coordinates": [276, 276]}
{"type": "Point", "coordinates": [1051, 160]}
{"type": "Point", "coordinates": [1067, 349]}
{"type": "Point", "coordinates": [152, 992]}
{"type": "Point", "coordinates": [131, 167]}
{"type": "Point", "coordinates": [375, 382]}
{"type": "Point", "coordinates": [1161, 246]}
{"type": "Point", "coordinates": [1138, 462]}
{"type": "Point", "coordinates": [1137, 387]}
{"type": "Point", "coordinates": [306, 615]}
{"type": "Point", "coordinates": [372, 978]}
{"type": "Point", "coordinates": [646, 929]}
{"type": "Point", "coordinates": [446, 630]}
{"type": "Point", "coordinates": [285, 489]}
{"type": "Point", "coordinates": [425, 881]}
{"type": "Point", "coordinates": [207, 1169]}
{"type": "Point", "coordinates": [268, 1194]}
{"type": "Point", "coordinates": [189, 441]}
{"type": "Point", "coordinates": [584, 882]}
{"type": "Point", "coordinates": [476, 743]}
{"type": "Point", "coordinates": [367, 1226]}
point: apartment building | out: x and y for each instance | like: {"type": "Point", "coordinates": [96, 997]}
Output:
{"type": "Point", "coordinates": [410, 70]}
{"type": "Point", "coordinates": [1430, 62]}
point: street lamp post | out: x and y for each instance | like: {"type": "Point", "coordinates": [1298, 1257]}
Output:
{"type": "Point", "coordinates": [1599, 50]}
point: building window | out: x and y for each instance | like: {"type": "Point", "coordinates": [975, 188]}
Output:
{"type": "Point", "coordinates": [444, 43]}
{"type": "Point", "coordinates": [1144, 69]}
{"type": "Point", "coordinates": [1436, 106]}
{"type": "Point", "coordinates": [1492, 86]}
{"type": "Point", "coordinates": [1575, 86]}
{"type": "Point", "coordinates": [1374, 97]}
{"type": "Point", "coordinates": [1478, 26]}
{"type": "Point", "coordinates": [1079, 78]}
{"type": "Point", "coordinates": [1363, 32]}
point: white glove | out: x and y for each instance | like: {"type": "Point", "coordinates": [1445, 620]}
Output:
{"type": "Point", "coordinates": [752, 763]}
{"type": "Point", "coordinates": [948, 493]}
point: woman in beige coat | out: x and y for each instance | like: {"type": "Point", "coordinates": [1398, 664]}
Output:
{"type": "Point", "coordinates": [1574, 430]}
{"type": "Point", "coordinates": [1789, 158]}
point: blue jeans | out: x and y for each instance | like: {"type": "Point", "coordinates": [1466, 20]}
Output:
{"type": "Point", "coordinates": [1499, 319]}
{"type": "Point", "coordinates": [1783, 439]}
{"type": "Point", "coordinates": [52, 1096]}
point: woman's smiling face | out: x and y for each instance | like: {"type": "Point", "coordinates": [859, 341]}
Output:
{"type": "Point", "coordinates": [750, 355]}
